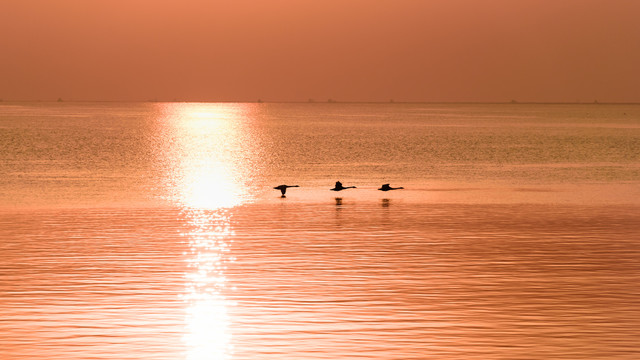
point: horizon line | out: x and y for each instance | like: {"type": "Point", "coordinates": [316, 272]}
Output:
{"type": "Point", "coordinates": [332, 101]}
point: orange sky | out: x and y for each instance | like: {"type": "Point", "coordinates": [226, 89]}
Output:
{"type": "Point", "coordinates": [348, 50]}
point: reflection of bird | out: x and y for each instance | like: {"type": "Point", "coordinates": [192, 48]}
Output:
{"type": "Point", "coordinates": [386, 187]}
{"type": "Point", "coordinates": [340, 187]}
{"type": "Point", "coordinates": [283, 188]}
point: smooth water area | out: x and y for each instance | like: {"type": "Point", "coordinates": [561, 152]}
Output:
{"type": "Point", "coordinates": [152, 231]}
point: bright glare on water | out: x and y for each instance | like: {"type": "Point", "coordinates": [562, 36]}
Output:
{"type": "Point", "coordinates": [207, 333]}
{"type": "Point", "coordinates": [152, 231]}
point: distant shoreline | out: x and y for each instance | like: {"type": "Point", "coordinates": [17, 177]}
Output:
{"type": "Point", "coordinates": [332, 102]}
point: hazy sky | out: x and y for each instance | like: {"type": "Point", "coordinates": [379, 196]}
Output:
{"type": "Point", "coordinates": [348, 50]}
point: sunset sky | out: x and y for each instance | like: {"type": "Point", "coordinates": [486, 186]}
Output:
{"type": "Point", "coordinates": [347, 50]}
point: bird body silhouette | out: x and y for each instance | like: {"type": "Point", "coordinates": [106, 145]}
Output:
{"type": "Point", "coordinates": [339, 187]}
{"type": "Point", "coordinates": [283, 188]}
{"type": "Point", "coordinates": [386, 187]}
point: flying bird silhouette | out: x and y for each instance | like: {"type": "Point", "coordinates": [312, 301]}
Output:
{"type": "Point", "coordinates": [283, 188]}
{"type": "Point", "coordinates": [339, 187]}
{"type": "Point", "coordinates": [386, 187]}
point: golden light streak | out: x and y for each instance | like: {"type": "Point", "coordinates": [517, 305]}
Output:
{"type": "Point", "coordinates": [209, 144]}
{"type": "Point", "coordinates": [207, 333]}
{"type": "Point", "coordinates": [207, 171]}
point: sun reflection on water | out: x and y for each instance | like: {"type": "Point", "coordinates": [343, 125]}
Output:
{"type": "Point", "coordinates": [210, 151]}
{"type": "Point", "coordinates": [207, 333]}
{"type": "Point", "coordinates": [209, 173]}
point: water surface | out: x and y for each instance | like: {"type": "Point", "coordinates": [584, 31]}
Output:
{"type": "Point", "coordinates": [151, 231]}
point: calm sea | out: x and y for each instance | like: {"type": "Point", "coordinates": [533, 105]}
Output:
{"type": "Point", "coordinates": [152, 231]}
